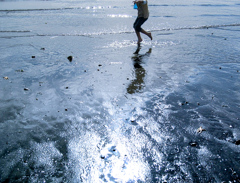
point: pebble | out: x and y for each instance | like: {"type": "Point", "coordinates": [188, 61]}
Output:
{"type": "Point", "coordinates": [200, 130]}
{"type": "Point", "coordinates": [237, 142]}
{"type": "Point", "coordinates": [193, 144]}
{"type": "Point", "coordinates": [70, 58]}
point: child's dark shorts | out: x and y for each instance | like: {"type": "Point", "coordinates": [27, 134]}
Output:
{"type": "Point", "coordinates": [138, 23]}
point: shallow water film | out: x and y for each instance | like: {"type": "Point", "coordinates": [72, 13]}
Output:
{"type": "Point", "coordinates": [80, 101]}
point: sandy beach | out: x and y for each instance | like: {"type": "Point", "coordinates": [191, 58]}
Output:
{"type": "Point", "coordinates": [80, 101]}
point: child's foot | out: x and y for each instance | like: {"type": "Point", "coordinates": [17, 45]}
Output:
{"type": "Point", "coordinates": [150, 35]}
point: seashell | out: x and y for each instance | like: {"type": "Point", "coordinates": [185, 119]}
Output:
{"type": "Point", "coordinates": [200, 130]}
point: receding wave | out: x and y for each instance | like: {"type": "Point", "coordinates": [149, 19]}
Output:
{"type": "Point", "coordinates": [41, 9]}
{"type": "Point", "coordinates": [219, 15]}
{"type": "Point", "coordinates": [215, 5]}
{"type": "Point", "coordinates": [200, 27]}
{"type": "Point", "coordinates": [94, 34]}
{"type": "Point", "coordinates": [58, 9]}
{"type": "Point", "coordinates": [167, 5]}
{"type": "Point", "coordinates": [152, 30]}
{"type": "Point", "coordinates": [180, 5]}
{"type": "Point", "coordinates": [14, 31]}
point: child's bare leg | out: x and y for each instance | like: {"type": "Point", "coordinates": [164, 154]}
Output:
{"type": "Point", "coordinates": [139, 37]}
{"type": "Point", "coordinates": [147, 33]}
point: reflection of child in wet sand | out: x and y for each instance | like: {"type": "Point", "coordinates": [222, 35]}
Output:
{"type": "Point", "coordinates": [143, 15]}
{"type": "Point", "coordinates": [138, 83]}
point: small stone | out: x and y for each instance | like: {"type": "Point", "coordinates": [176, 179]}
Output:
{"type": "Point", "coordinates": [70, 58]}
{"type": "Point", "coordinates": [237, 142]}
{"type": "Point", "coordinates": [233, 172]}
{"type": "Point", "coordinates": [26, 89]}
{"type": "Point", "coordinates": [102, 157]}
{"type": "Point", "coordinates": [33, 56]}
{"type": "Point", "coordinates": [100, 65]}
{"type": "Point", "coordinates": [42, 48]}
{"type": "Point", "coordinates": [6, 78]}
{"type": "Point", "coordinates": [66, 109]}
{"type": "Point", "coordinates": [66, 87]}
{"type": "Point", "coordinates": [200, 130]}
{"type": "Point", "coordinates": [193, 144]}
{"type": "Point", "coordinates": [220, 67]}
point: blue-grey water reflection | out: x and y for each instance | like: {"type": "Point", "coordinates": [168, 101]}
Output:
{"type": "Point", "coordinates": [167, 111]}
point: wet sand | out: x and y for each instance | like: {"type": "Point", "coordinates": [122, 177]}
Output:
{"type": "Point", "coordinates": [119, 108]}
{"type": "Point", "coordinates": [115, 112]}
